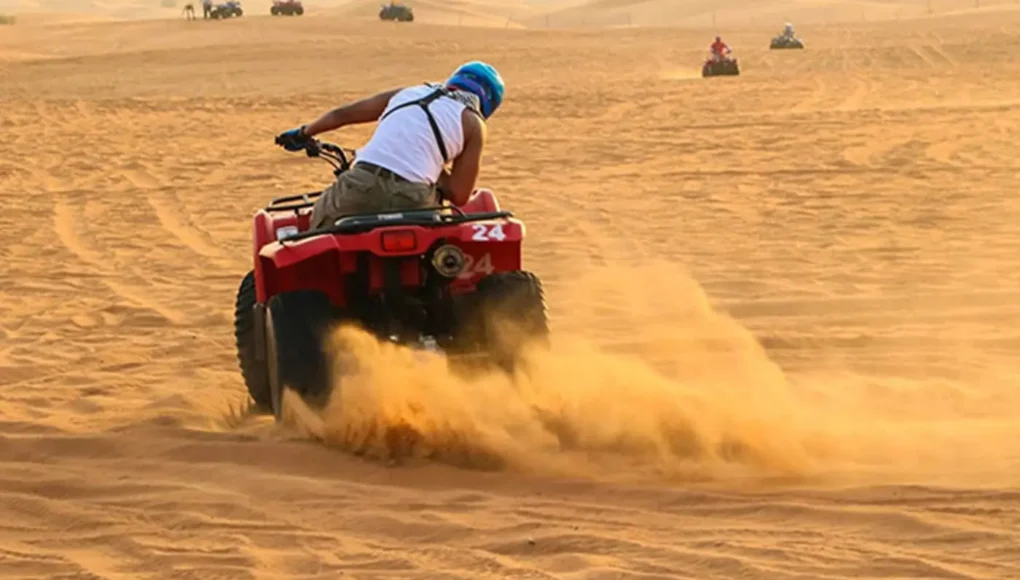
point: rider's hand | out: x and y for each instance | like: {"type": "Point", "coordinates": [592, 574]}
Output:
{"type": "Point", "coordinates": [293, 140]}
{"type": "Point", "coordinates": [442, 196]}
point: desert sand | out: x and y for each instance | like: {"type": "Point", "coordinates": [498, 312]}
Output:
{"type": "Point", "coordinates": [785, 305]}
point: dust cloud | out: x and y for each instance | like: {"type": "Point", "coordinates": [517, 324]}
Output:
{"type": "Point", "coordinates": [660, 386]}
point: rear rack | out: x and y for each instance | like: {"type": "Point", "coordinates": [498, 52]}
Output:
{"type": "Point", "coordinates": [424, 217]}
{"type": "Point", "coordinates": [280, 203]}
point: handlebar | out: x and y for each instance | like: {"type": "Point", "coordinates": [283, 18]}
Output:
{"type": "Point", "coordinates": [336, 156]}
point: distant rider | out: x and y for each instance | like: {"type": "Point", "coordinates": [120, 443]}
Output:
{"type": "Point", "coordinates": [718, 49]}
{"type": "Point", "coordinates": [788, 31]}
{"type": "Point", "coordinates": [421, 129]}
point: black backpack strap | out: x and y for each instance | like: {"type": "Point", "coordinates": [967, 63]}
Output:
{"type": "Point", "coordinates": [424, 103]}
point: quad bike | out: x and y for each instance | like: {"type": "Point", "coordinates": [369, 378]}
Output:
{"type": "Point", "coordinates": [226, 10]}
{"type": "Point", "coordinates": [724, 66]}
{"type": "Point", "coordinates": [782, 41]}
{"type": "Point", "coordinates": [443, 278]}
{"type": "Point", "coordinates": [397, 12]}
{"type": "Point", "coordinates": [287, 8]}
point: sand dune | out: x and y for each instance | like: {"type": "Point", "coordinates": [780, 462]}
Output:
{"type": "Point", "coordinates": [727, 15]}
{"type": "Point", "coordinates": [486, 13]}
{"type": "Point", "coordinates": [785, 306]}
{"type": "Point", "coordinates": [558, 14]}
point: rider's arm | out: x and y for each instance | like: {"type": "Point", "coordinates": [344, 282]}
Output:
{"type": "Point", "coordinates": [460, 183]}
{"type": "Point", "coordinates": [366, 110]}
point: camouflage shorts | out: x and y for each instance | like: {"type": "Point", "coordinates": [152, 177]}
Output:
{"type": "Point", "coordinates": [360, 190]}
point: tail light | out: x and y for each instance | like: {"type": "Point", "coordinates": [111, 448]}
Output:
{"type": "Point", "coordinates": [399, 241]}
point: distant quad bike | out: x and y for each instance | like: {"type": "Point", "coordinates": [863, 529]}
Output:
{"type": "Point", "coordinates": [782, 41]}
{"type": "Point", "coordinates": [287, 8]}
{"type": "Point", "coordinates": [398, 12]}
{"type": "Point", "coordinates": [725, 66]}
{"type": "Point", "coordinates": [226, 10]}
{"type": "Point", "coordinates": [445, 279]}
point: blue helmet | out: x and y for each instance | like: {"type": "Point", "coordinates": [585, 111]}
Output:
{"type": "Point", "coordinates": [483, 80]}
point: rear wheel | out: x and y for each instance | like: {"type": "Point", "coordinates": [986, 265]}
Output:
{"type": "Point", "coordinates": [296, 327]}
{"type": "Point", "coordinates": [510, 314]}
{"type": "Point", "coordinates": [254, 371]}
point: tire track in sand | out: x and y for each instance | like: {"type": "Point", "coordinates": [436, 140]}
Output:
{"type": "Point", "coordinates": [168, 209]}
{"type": "Point", "coordinates": [937, 45]}
{"type": "Point", "coordinates": [64, 225]}
{"type": "Point", "coordinates": [863, 86]}
{"type": "Point", "coordinates": [813, 101]}
{"type": "Point", "coordinates": [173, 220]}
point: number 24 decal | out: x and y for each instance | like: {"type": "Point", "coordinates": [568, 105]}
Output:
{"type": "Point", "coordinates": [484, 233]}
{"type": "Point", "coordinates": [473, 268]}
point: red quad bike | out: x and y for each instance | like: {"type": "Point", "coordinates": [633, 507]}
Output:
{"type": "Point", "coordinates": [444, 278]}
{"type": "Point", "coordinates": [725, 66]}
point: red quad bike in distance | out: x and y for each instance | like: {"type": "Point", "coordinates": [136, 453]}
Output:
{"type": "Point", "coordinates": [726, 66]}
{"type": "Point", "coordinates": [444, 278]}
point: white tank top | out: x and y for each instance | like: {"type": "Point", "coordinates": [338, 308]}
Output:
{"type": "Point", "coordinates": [404, 142]}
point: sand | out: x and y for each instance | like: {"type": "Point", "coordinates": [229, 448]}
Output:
{"type": "Point", "coordinates": [784, 304]}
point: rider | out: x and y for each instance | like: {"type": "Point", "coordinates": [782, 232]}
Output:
{"type": "Point", "coordinates": [788, 30]}
{"type": "Point", "coordinates": [717, 49]}
{"type": "Point", "coordinates": [421, 129]}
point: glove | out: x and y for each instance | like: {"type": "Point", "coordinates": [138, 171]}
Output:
{"type": "Point", "coordinates": [293, 140]}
